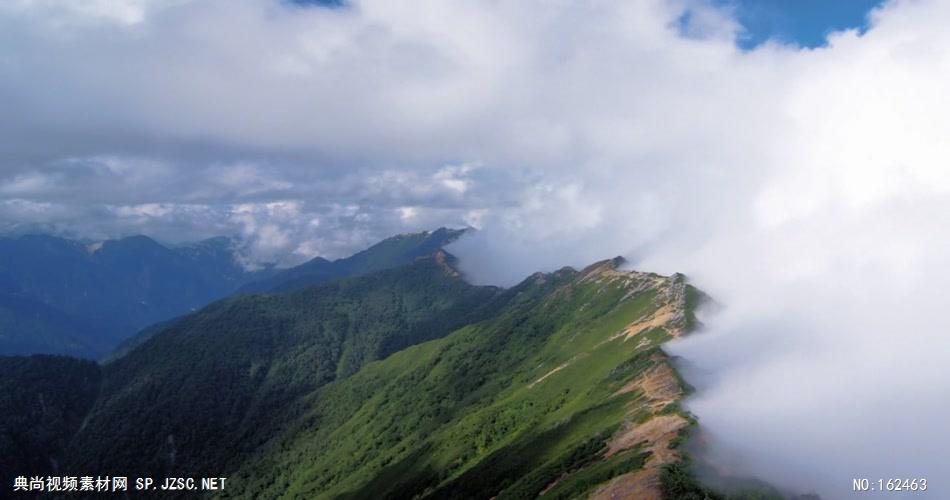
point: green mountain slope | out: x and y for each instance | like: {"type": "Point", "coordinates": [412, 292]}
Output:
{"type": "Point", "coordinates": [391, 252]}
{"type": "Point", "coordinates": [566, 391]}
{"type": "Point", "coordinates": [205, 391]}
{"type": "Point", "coordinates": [406, 383]}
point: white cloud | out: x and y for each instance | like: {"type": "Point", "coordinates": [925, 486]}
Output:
{"type": "Point", "coordinates": [125, 12]}
{"type": "Point", "coordinates": [28, 183]}
{"type": "Point", "coordinates": [807, 190]}
{"type": "Point", "coordinates": [242, 180]}
{"type": "Point", "coordinates": [453, 177]}
{"type": "Point", "coordinates": [408, 213]}
{"type": "Point", "coordinates": [144, 210]}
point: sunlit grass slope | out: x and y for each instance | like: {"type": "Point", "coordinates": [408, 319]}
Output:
{"type": "Point", "coordinates": [565, 392]}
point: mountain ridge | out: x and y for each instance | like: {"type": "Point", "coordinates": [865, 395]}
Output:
{"type": "Point", "coordinates": [407, 382]}
{"type": "Point", "coordinates": [107, 290]}
{"type": "Point", "coordinates": [273, 347]}
{"type": "Point", "coordinates": [390, 252]}
{"type": "Point", "coordinates": [64, 296]}
{"type": "Point", "coordinates": [541, 329]}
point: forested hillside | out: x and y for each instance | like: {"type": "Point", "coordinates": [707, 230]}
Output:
{"type": "Point", "coordinates": [407, 383]}
{"type": "Point", "coordinates": [43, 400]}
{"type": "Point", "coordinates": [564, 392]}
{"type": "Point", "coordinates": [207, 390]}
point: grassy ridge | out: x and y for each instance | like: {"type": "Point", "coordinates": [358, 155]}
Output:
{"type": "Point", "coordinates": [406, 383]}
{"type": "Point", "coordinates": [502, 408]}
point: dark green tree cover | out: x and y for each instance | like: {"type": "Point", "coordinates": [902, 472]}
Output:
{"type": "Point", "coordinates": [206, 391]}
{"type": "Point", "coordinates": [679, 482]}
{"type": "Point", "coordinates": [391, 252]}
{"type": "Point", "coordinates": [43, 400]}
{"type": "Point", "coordinates": [404, 383]}
{"type": "Point", "coordinates": [509, 407]}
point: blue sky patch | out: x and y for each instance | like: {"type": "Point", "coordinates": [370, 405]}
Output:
{"type": "Point", "coordinates": [805, 23]}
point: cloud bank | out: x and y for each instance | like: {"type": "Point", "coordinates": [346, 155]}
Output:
{"type": "Point", "coordinates": [807, 190]}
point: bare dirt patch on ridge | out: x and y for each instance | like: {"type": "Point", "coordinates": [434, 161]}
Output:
{"type": "Point", "coordinates": [660, 387]}
{"type": "Point", "coordinates": [658, 384]}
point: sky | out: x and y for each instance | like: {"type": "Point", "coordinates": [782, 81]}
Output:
{"type": "Point", "coordinates": [806, 23]}
{"type": "Point", "coordinates": [801, 181]}
{"type": "Point", "coordinates": [304, 128]}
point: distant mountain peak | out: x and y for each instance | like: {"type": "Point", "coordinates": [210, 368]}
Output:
{"type": "Point", "coordinates": [603, 267]}
{"type": "Point", "coordinates": [222, 242]}
{"type": "Point", "coordinates": [388, 253]}
{"type": "Point", "coordinates": [443, 235]}
{"type": "Point", "coordinates": [140, 239]}
{"type": "Point", "coordinates": [86, 296]}
{"type": "Point", "coordinates": [134, 244]}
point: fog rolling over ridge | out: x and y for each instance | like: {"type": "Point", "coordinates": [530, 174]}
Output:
{"type": "Point", "coordinates": [825, 243]}
{"type": "Point", "coordinates": [807, 190]}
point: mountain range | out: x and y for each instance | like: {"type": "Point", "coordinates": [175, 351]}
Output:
{"type": "Point", "coordinates": [60, 296]}
{"type": "Point", "coordinates": [391, 252]}
{"type": "Point", "coordinates": [65, 297]}
{"type": "Point", "coordinates": [397, 381]}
